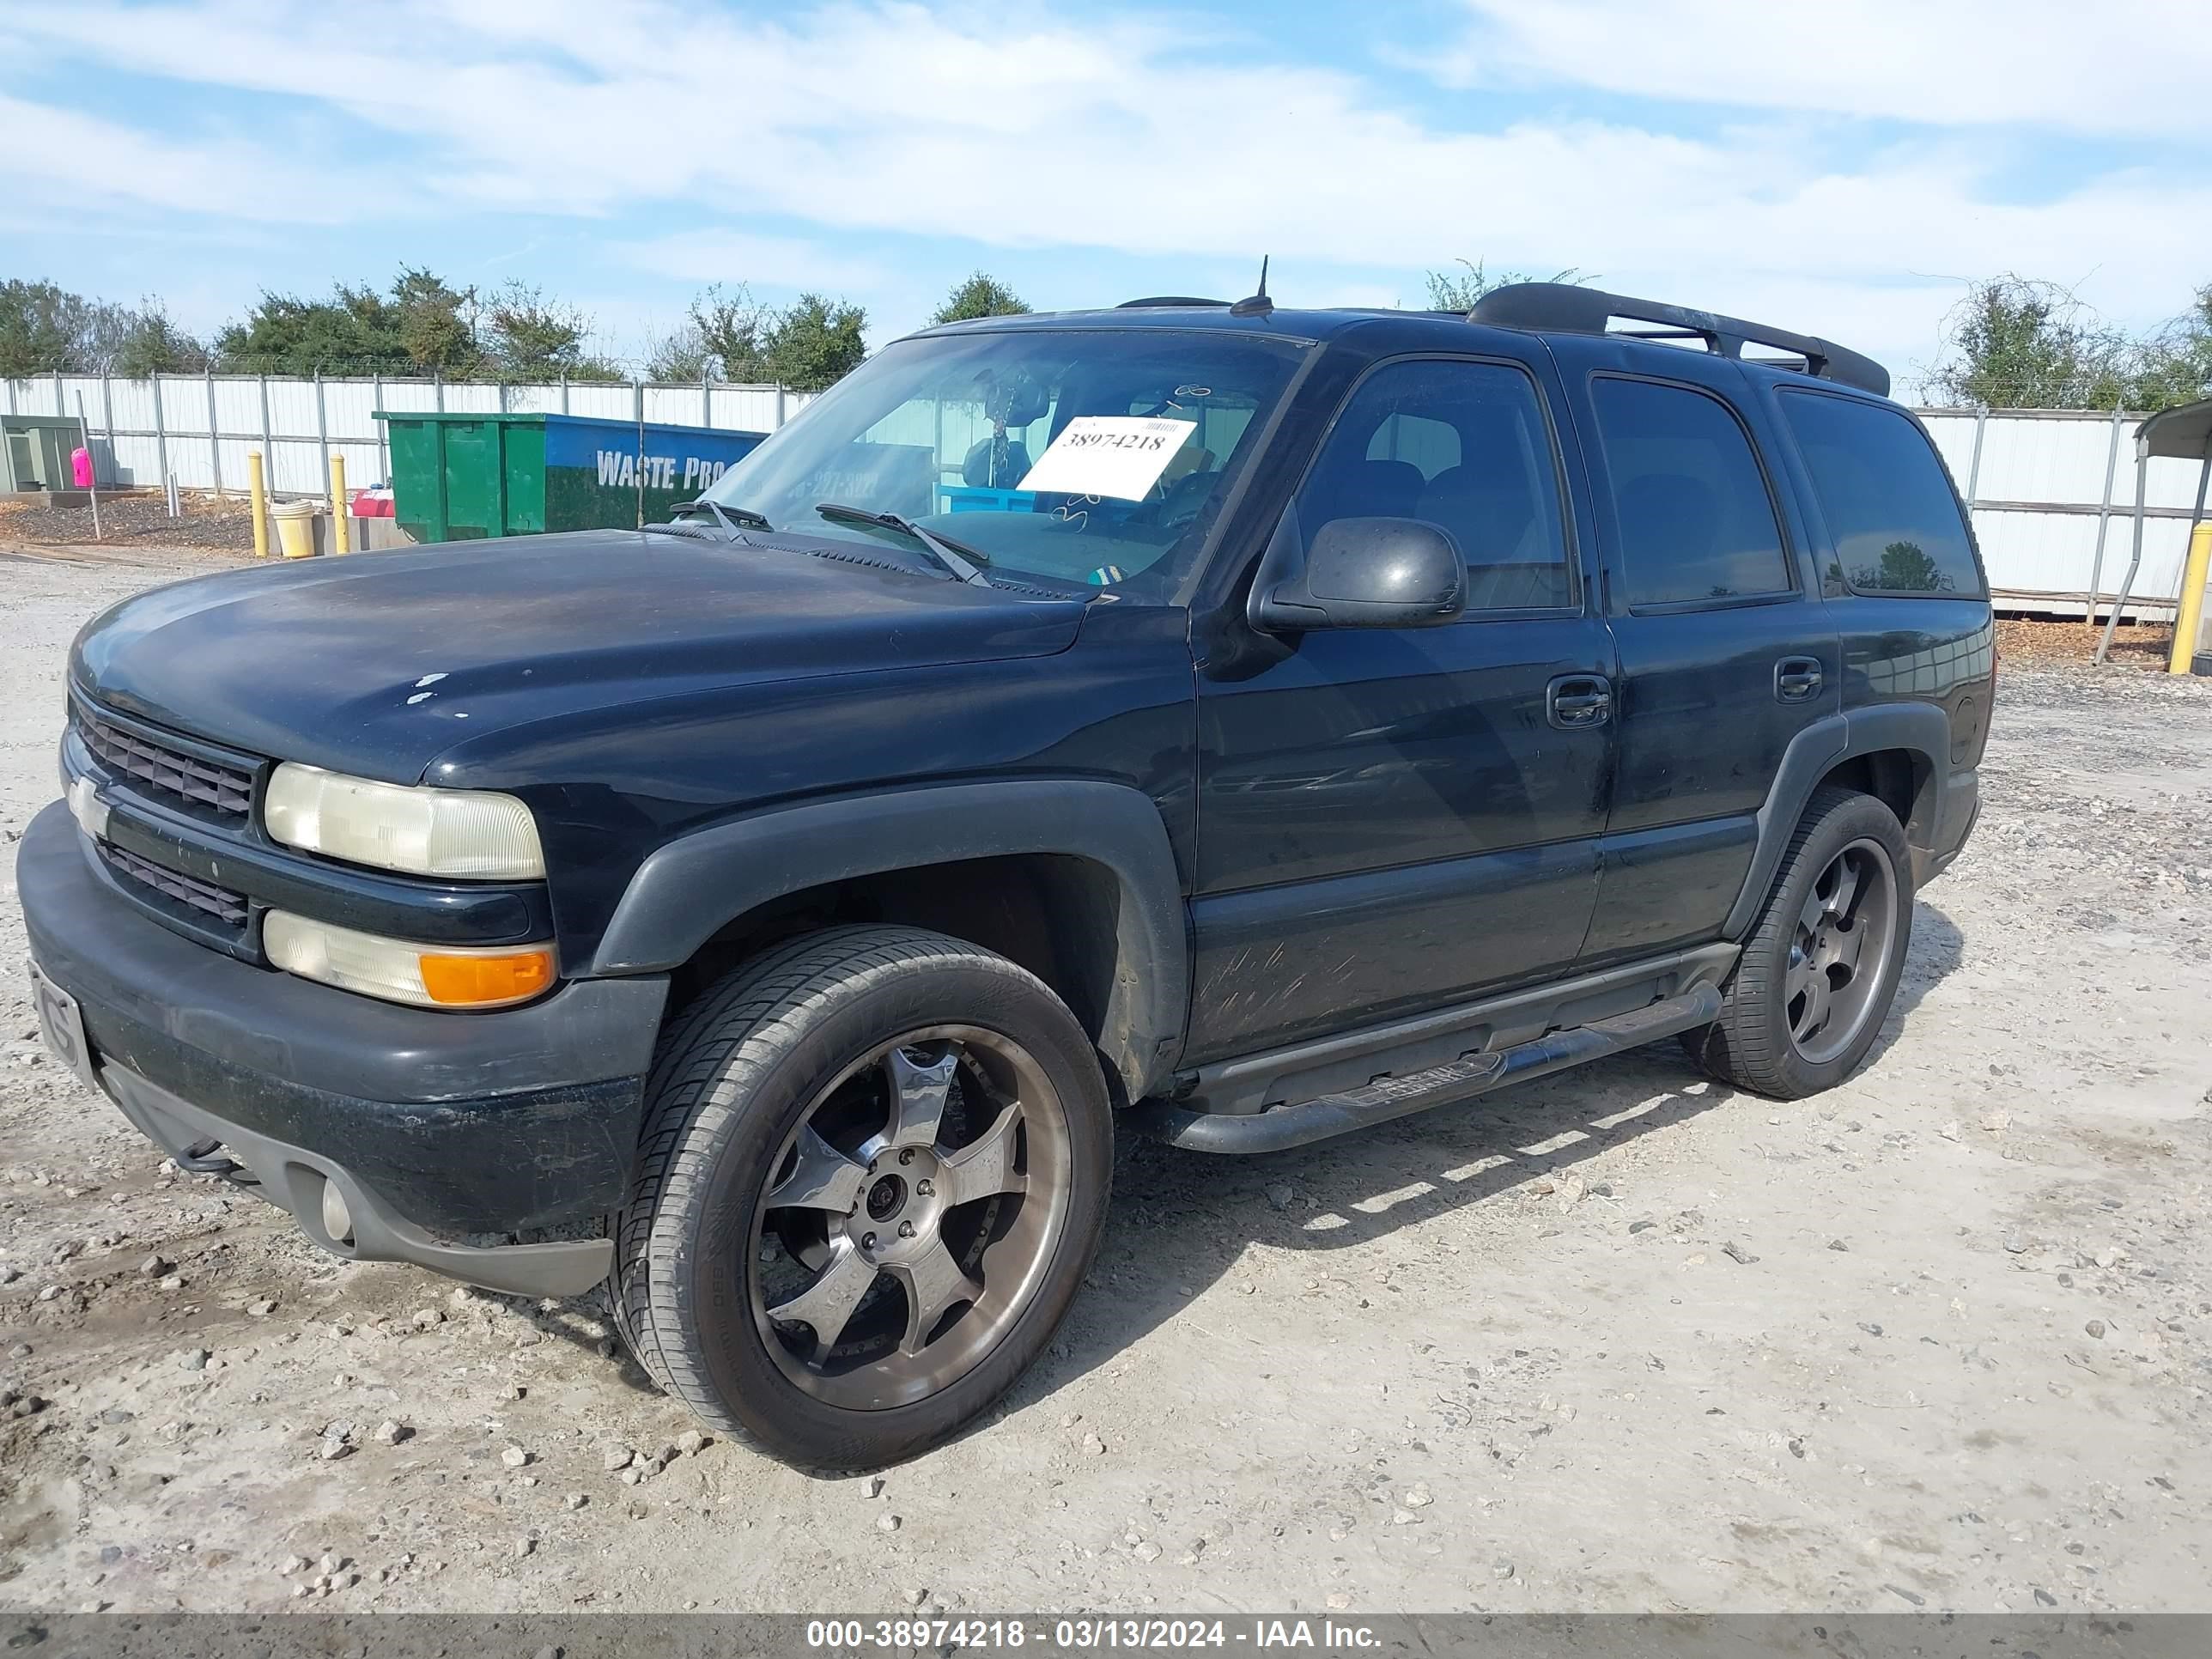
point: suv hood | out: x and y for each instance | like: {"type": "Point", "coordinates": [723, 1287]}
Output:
{"type": "Point", "coordinates": [377, 663]}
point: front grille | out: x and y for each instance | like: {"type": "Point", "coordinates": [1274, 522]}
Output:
{"type": "Point", "coordinates": [218, 903]}
{"type": "Point", "coordinates": [226, 790]}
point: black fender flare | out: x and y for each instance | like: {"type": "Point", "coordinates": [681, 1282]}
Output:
{"type": "Point", "coordinates": [687, 889]}
{"type": "Point", "coordinates": [1923, 728]}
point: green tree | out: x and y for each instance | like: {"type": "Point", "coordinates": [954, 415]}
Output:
{"type": "Point", "coordinates": [729, 336]}
{"type": "Point", "coordinates": [722, 337]}
{"type": "Point", "coordinates": [980, 295]}
{"type": "Point", "coordinates": [41, 328]}
{"type": "Point", "coordinates": [146, 341]}
{"type": "Point", "coordinates": [591, 366]}
{"type": "Point", "coordinates": [680, 355]}
{"type": "Point", "coordinates": [2013, 342]}
{"type": "Point", "coordinates": [733, 326]}
{"type": "Point", "coordinates": [528, 336]}
{"type": "Point", "coordinates": [437, 322]}
{"type": "Point", "coordinates": [1458, 291]}
{"type": "Point", "coordinates": [420, 324]}
{"type": "Point", "coordinates": [2174, 366]}
{"type": "Point", "coordinates": [356, 331]}
{"type": "Point", "coordinates": [815, 344]}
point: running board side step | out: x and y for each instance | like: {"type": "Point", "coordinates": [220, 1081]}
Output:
{"type": "Point", "coordinates": [1301, 1124]}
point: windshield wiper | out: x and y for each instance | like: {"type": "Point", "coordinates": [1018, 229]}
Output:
{"type": "Point", "coordinates": [732, 518]}
{"type": "Point", "coordinates": [957, 557]}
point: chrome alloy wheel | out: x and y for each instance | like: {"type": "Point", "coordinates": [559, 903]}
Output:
{"type": "Point", "coordinates": [911, 1216]}
{"type": "Point", "coordinates": [1839, 953]}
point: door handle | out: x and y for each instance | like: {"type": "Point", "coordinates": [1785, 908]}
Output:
{"type": "Point", "coordinates": [1575, 700]}
{"type": "Point", "coordinates": [1797, 679]}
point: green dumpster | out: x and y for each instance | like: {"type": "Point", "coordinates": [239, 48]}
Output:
{"type": "Point", "coordinates": [458, 477]}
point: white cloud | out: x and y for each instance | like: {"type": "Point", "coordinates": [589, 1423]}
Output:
{"type": "Point", "coordinates": [66, 161]}
{"type": "Point", "coordinates": [1019, 130]}
{"type": "Point", "coordinates": [2136, 67]}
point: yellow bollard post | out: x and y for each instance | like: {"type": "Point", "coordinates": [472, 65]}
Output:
{"type": "Point", "coordinates": [2186, 620]}
{"type": "Point", "coordinates": [259, 496]}
{"type": "Point", "coordinates": [341, 528]}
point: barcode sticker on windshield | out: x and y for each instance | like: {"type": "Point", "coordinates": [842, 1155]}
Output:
{"type": "Point", "coordinates": [1117, 455]}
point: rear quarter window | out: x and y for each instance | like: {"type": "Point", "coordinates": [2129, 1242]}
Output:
{"type": "Point", "coordinates": [1889, 509]}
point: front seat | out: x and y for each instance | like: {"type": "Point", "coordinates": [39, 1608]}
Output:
{"type": "Point", "coordinates": [1365, 489]}
{"type": "Point", "coordinates": [992, 464]}
{"type": "Point", "coordinates": [999, 462]}
{"type": "Point", "coordinates": [1491, 518]}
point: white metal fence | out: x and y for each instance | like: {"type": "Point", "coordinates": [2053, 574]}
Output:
{"type": "Point", "coordinates": [2053, 495]}
{"type": "Point", "coordinates": [2052, 490]}
{"type": "Point", "coordinates": [201, 427]}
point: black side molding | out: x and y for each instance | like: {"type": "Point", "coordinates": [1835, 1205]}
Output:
{"type": "Point", "coordinates": [1922, 728]}
{"type": "Point", "coordinates": [1282, 1126]}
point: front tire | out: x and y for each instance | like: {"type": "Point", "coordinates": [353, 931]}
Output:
{"type": "Point", "coordinates": [1819, 973]}
{"type": "Point", "coordinates": [874, 1170]}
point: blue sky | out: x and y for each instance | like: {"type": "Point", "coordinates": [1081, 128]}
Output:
{"type": "Point", "coordinates": [1840, 168]}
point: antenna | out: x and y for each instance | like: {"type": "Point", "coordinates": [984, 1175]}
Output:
{"type": "Point", "coordinates": [1258, 305]}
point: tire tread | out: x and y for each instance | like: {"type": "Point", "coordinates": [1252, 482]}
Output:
{"type": "Point", "coordinates": [1749, 1044]}
{"type": "Point", "coordinates": [703, 1074]}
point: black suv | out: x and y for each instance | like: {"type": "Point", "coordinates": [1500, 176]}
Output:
{"type": "Point", "coordinates": [1248, 723]}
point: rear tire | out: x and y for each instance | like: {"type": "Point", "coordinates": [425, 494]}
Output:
{"type": "Point", "coordinates": [874, 1170]}
{"type": "Point", "coordinates": [1818, 975]}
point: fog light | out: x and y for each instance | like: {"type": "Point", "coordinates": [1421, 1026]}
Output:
{"type": "Point", "coordinates": [338, 1220]}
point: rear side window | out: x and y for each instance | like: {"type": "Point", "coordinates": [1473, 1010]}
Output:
{"type": "Point", "coordinates": [1696, 519]}
{"type": "Point", "coordinates": [1889, 509]}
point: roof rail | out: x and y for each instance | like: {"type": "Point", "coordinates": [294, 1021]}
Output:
{"type": "Point", "coordinates": [1567, 308]}
{"type": "Point", "coordinates": [1167, 300]}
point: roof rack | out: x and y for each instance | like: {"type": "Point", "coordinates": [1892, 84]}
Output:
{"type": "Point", "coordinates": [1567, 308]}
{"type": "Point", "coordinates": [1167, 300]}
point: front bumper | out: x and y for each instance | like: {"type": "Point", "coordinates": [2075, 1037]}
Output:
{"type": "Point", "coordinates": [432, 1126]}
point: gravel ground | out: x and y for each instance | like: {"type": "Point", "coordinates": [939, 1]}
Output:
{"type": "Point", "coordinates": [1621, 1340]}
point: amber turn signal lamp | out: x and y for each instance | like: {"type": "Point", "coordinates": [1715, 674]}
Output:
{"type": "Point", "coordinates": [487, 979]}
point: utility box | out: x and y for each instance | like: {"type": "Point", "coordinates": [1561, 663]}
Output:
{"type": "Point", "coordinates": [455, 478]}
{"type": "Point", "coordinates": [34, 450]}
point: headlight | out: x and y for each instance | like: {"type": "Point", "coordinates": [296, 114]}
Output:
{"type": "Point", "coordinates": [426, 976]}
{"type": "Point", "coordinates": [425, 832]}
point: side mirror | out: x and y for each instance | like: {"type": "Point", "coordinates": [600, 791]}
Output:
{"type": "Point", "coordinates": [1358, 573]}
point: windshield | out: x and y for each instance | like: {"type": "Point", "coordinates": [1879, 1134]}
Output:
{"type": "Point", "coordinates": [1092, 457]}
